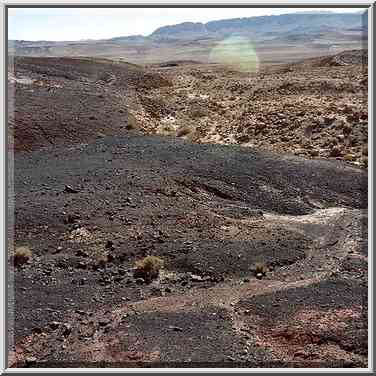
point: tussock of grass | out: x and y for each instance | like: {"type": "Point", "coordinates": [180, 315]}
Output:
{"type": "Point", "coordinates": [22, 255]}
{"type": "Point", "coordinates": [166, 130]}
{"type": "Point", "coordinates": [148, 268]}
{"type": "Point", "coordinates": [131, 122]}
{"type": "Point", "coordinates": [260, 268]}
{"type": "Point", "coordinates": [184, 131]}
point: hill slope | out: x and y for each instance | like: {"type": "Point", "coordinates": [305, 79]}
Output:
{"type": "Point", "coordinates": [211, 212]}
{"type": "Point", "coordinates": [62, 100]}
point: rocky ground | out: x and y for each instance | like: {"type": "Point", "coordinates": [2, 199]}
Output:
{"type": "Point", "coordinates": [103, 195]}
{"type": "Point", "coordinates": [316, 108]}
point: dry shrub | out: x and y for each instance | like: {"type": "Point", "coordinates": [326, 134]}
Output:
{"type": "Point", "coordinates": [22, 255]}
{"type": "Point", "coordinates": [166, 130]}
{"type": "Point", "coordinates": [350, 157]}
{"type": "Point", "coordinates": [184, 131]}
{"type": "Point", "coordinates": [260, 268]}
{"type": "Point", "coordinates": [132, 123]}
{"type": "Point", "coordinates": [148, 268]}
{"type": "Point", "coordinates": [193, 136]}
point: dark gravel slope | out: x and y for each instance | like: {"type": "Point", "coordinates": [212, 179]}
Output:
{"type": "Point", "coordinates": [202, 208]}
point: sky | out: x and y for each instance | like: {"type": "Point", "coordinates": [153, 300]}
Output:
{"type": "Point", "coordinates": [68, 24]}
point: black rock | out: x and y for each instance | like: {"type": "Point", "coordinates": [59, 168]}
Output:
{"type": "Point", "coordinates": [71, 218]}
{"type": "Point", "coordinates": [37, 330]}
{"type": "Point", "coordinates": [175, 328]}
{"type": "Point", "coordinates": [140, 281]}
{"type": "Point", "coordinates": [30, 360]}
{"type": "Point", "coordinates": [104, 322]}
{"type": "Point", "coordinates": [109, 244]}
{"type": "Point", "coordinates": [67, 330]}
{"type": "Point", "coordinates": [54, 325]}
{"type": "Point", "coordinates": [81, 253]}
{"type": "Point", "coordinates": [70, 189]}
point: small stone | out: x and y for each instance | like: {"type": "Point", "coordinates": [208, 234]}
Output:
{"type": "Point", "coordinates": [300, 354]}
{"type": "Point", "coordinates": [335, 152]}
{"type": "Point", "coordinates": [31, 360]}
{"type": "Point", "coordinates": [57, 250]}
{"type": "Point", "coordinates": [71, 218]}
{"type": "Point", "coordinates": [103, 322]}
{"type": "Point", "coordinates": [37, 330]}
{"type": "Point", "coordinates": [70, 189]}
{"type": "Point", "coordinates": [67, 330]}
{"type": "Point", "coordinates": [175, 328]}
{"type": "Point", "coordinates": [140, 281]}
{"type": "Point", "coordinates": [54, 325]}
{"type": "Point", "coordinates": [259, 275]}
{"type": "Point", "coordinates": [81, 253]}
{"type": "Point", "coordinates": [196, 278]}
{"type": "Point", "coordinates": [109, 244]}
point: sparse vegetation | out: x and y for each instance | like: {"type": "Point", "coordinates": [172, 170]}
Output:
{"type": "Point", "coordinates": [148, 268]}
{"type": "Point", "coordinates": [260, 269]}
{"type": "Point", "coordinates": [22, 255]}
{"type": "Point", "coordinates": [349, 157]}
{"type": "Point", "coordinates": [193, 136]}
{"type": "Point", "coordinates": [166, 130]}
{"type": "Point", "coordinates": [184, 131]}
{"type": "Point", "coordinates": [131, 122]}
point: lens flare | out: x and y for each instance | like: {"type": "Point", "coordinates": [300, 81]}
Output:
{"type": "Point", "coordinates": [237, 52]}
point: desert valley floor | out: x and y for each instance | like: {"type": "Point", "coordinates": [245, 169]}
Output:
{"type": "Point", "coordinates": [210, 169]}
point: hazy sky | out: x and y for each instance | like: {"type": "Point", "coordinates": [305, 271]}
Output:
{"type": "Point", "coordinates": [91, 23]}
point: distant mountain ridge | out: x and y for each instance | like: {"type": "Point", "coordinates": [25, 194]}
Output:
{"type": "Point", "coordinates": [194, 40]}
{"type": "Point", "coordinates": [285, 23]}
{"type": "Point", "coordinates": [301, 22]}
